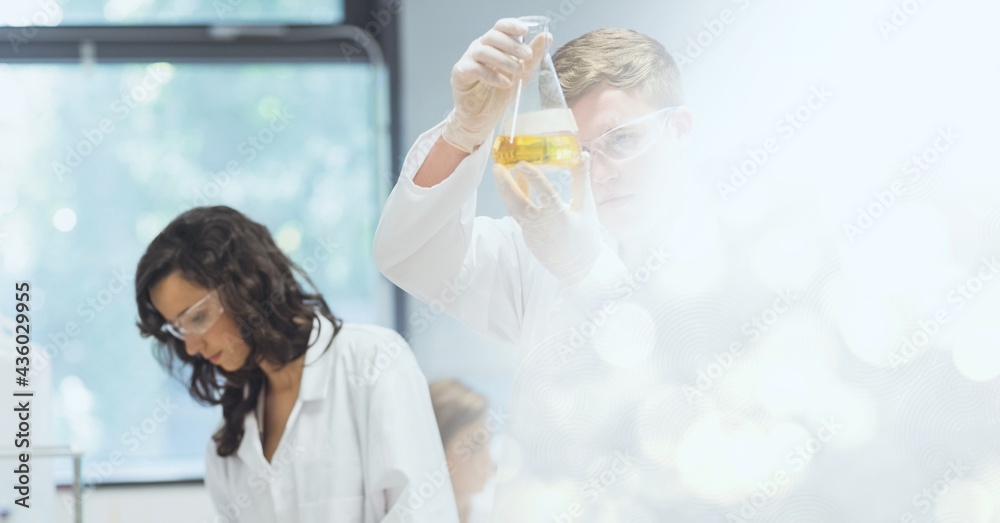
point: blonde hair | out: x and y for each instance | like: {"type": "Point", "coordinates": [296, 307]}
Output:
{"type": "Point", "coordinates": [455, 407]}
{"type": "Point", "coordinates": [623, 59]}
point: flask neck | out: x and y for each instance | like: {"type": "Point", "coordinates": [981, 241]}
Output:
{"type": "Point", "coordinates": [536, 25]}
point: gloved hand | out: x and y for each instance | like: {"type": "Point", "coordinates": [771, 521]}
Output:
{"type": "Point", "coordinates": [566, 239]}
{"type": "Point", "coordinates": [485, 79]}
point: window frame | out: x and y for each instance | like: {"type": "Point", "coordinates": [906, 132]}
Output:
{"type": "Point", "coordinates": [363, 36]}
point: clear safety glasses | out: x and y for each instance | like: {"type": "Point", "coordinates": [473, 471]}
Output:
{"type": "Point", "coordinates": [631, 139]}
{"type": "Point", "coordinates": [197, 319]}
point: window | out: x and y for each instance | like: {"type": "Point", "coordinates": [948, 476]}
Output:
{"type": "Point", "coordinates": [97, 12]}
{"type": "Point", "coordinates": [101, 156]}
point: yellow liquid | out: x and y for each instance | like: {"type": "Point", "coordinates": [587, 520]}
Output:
{"type": "Point", "coordinates": [562, 150]}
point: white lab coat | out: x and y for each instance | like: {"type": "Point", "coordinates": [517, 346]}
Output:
{"type": "Point", "coordinates": [431, 244]}
{"type": "Point", "coordinates": [361, 444]}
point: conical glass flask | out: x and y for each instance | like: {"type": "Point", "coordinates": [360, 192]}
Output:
{"type": "Point", "coordinates": [538, 126]}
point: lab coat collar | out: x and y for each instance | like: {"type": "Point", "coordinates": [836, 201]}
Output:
{"type": "Point", "coordinates": [316, 373]}
{"type": "Point", "coordinates": [251, 451]}
{"type": "Point", "coordinates": [314, 386]}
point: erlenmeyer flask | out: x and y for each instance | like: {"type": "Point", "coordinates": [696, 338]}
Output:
{"type": "Point", "coordinates": [537, 126]}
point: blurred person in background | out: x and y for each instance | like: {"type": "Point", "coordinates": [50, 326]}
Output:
{"type": "Point", "coordinates": [313, 429]}
{"type": "Point", "coordinates": [462, 418]}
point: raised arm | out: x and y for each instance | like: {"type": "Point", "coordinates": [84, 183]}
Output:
{"type": "Point", "coordinates": [482, 83]}
{"type": "Point", "coordinates": [429, 241]}
{"type": "Point", "coordinates": [440, 163]}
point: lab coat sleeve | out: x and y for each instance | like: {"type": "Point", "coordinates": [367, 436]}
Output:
{"type": "Point", "coordinates": [406, 460]}
{"type": "Point", "coordinates": [215, 482]}
{"type": "Point", "coordinates": [430, 243]}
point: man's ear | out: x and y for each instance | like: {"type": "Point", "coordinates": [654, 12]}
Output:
{"type": "Point", "coordinates": [681, 123]}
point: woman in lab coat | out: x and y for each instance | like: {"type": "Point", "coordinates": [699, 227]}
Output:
{"type": "Point", "coordinates": [322, 421]}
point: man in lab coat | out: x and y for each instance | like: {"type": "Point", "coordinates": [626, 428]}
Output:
{"type": "Point", "coordinates": [572, 297]}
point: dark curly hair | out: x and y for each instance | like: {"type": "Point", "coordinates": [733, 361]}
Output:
{"type": "Point", "coordinates": [220, 248]}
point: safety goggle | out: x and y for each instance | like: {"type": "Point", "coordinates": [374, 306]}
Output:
{"type": "Point", "coordinates": [631, 139]}
{"type": "Point", "coordinates": [197, 319]}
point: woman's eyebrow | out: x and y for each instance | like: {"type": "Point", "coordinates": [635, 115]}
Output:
{"type": "Point", "coordinates": [181, 313]}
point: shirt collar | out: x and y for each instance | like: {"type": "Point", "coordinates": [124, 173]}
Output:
{"type": "Point", "coordinates": [314, 386]}
{"type": "Point", "coordinates": [316, 373]}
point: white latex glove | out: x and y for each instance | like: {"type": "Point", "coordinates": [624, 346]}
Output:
{"type": "Point", "coordinates": [485, 79]}
{"type": "Point", "coordinates": [566, 239]}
